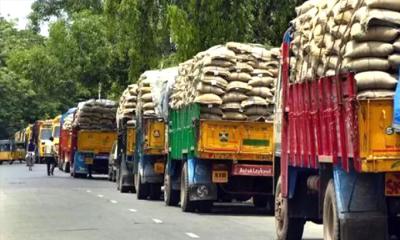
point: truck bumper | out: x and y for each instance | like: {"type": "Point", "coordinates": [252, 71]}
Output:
{"type": "Point", "coordinates": [147, 171]}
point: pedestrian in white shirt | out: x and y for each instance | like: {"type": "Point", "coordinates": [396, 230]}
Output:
{"type": "Point", "coordinates": [50, 153]}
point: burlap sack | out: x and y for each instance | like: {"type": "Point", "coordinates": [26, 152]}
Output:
{"type": "Point", "coordinates": [374, 33]}
{"type": "Point", "coordinates": [215, 81]}
{"type": "Point", "coordinates": [375, 80]}
{"type": "Point", "coordinates": [208, 98]}
{"type": "Point", "coordinates": [262, 73]}
{"type": "Point", "coordinates": [235, 106]}
{"type": "Point", "coordinates": [258, 110]}
{"type": "Point", "coordinates": [238, 87]}
{"type": "Point", "coordinates": [234, 97]}
{"type": "Point", "coordinates": [395, 60]}
{"type": "Point", "coordinates": [241, 67]}
{"type": "Point", "coordinates": [240, 76]}
{"type": "Point", "coordinates": [368, 64]}
{"type": "Point", "coordinates": [261, 92]}
{"type": "Point", "coordinates": [396, 45]}
{"type": "Point", "coordinates": [254, 101]}
{"type": "Point", "coordinates": [210, 116]}
{"type": "Point", "coordinates": [145, 90]}
{"type": "Point", "coordinates": [207, 61]}
{"type": "Point", "coordinates": [147, 97]}
{"type": "Point", "coordinates": [261, 81]}
{"type": "Point", "coordinates": [148, 106]}
{"type": "Point", "coordinates": [368, 49]}
{"type": "Point", "coordinates": [206, 88]}
{"type": "Point", "coordinates": [211, 110]}
{"type": "Point", "coordinates": [216, 71]}
{"type": "Point", "coordinates": [375, 94]}
{"type": "Point", "coordinates": [385, 4]}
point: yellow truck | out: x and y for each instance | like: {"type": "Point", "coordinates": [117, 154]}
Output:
{"type": "Point", "coordinates": [91, 147]}
{"type": "Point", "coordinates": [45, 131]}
{"type": "Point", "coordinates": [56, 130]}
{"type": "Point", "coordinates": [218, 161]}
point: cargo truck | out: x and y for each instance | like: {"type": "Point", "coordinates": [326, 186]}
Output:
{"type": "Point", "coordinates": [65, 151]}
{"type": "Point", "coordinates": [45, 131]}
{"type": "Point", "coordinates": [217, 160]}
{"type": "Point", "coordinates": [56, 131]}
{"type": "Point", "coordinates": [339, 159]}
{"type": "Point", "coordinates": [121, 168]}
{"type": "Point", "coordinates": [90, 147]}
{"type": "Point", "coordinates": [150, 157]}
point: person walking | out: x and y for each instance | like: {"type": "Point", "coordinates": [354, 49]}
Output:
{"type": "Point", "coordinates": [50, 153]}
{"type": "Point", "coordinates": [30, 156]}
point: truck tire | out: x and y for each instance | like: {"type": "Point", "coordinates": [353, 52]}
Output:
{"type": "Point", "coordinates": [186, 204]}
{"type": "Point", "coordinates": [171, 196]}
{"type": "Point", "coordinates": [155, 191]}
{"type": "Point", "coordinates": [287, 228]}
{"type": "Point", "coordinates": [330, 214]}
{"type": "Point", "coordinates": [121, 187]}
{"type": "Point", "coordinates": [142, 189]}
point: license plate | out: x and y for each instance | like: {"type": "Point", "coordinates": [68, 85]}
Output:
{"type": "Point", "coordinates": [159, 167]}
{"type": "Point", "coordinates": [220, 176]}
{"type": "Point", "coordinates": [89, 161]}
{"type": "Point", "coordinates": [392, 184]}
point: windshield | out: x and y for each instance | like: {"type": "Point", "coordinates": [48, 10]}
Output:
{"type": "Point", "coordinates": [45, 134]}
{"type": "Point", "coordinates": [5, 147]}
{"type": "Point", "coordinates": [56, 132]}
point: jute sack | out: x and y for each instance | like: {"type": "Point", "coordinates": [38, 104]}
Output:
{"type": "Point", "coordinates": [145, 90]}
{"type": "Point", "coordinates": [210, 116]}
{"type": "Point", "coordinates": [367, 64]}
{"type": "Point", "coordinates": [234, 97]}
{"type": "Point", "coordinates": [211, 110]}
{"type": "Point", "coordinates": [375, 80]}
{"type": "Point", "coordinates": [381, 17]}
{"type": "Point", "coordinates": [374, 33]}
{"type": "Point", "coordinates": [368, 49]}
{"type": "Point", "coordinates": [206, 88]}
{"type": "Point", "coordinates": [238, 86]}
{"type": "Point", "coordinates": [149, 106]}
{"type": "Point", "coordinates": [232, 106]}
{"type": "Point", "coordinates": [147, 97]}
{"type": "Point", "coordinates": [214, 81]}
{"type": "Point", "coordinates": [208, 98]}
{"type": "Point", "coordinates": [257, 110]}
{"type": "Point", "coordinates": [207, 61]}
{"type": "Point", "coordinates": [396, 45]}
{"type": "Point", "coordinates": [385, 4]}
{"type": "Point", "coordinates": [241, 67]}
{"type": "Point", "coordinates": [261, 92]}
{"type": "Point", "coordinates": [261, 81]}
{"type": "Point", "coordinates": [216, 71]}
{"type": "Point", "coordinates": [394, 60]}
{"type": "Point", "coordinates": [373, 94]}
{"type": "Point", "coordinates": [234, 116]}
{"type": "Point", "coordinates": [262, 73]}
{"type": "Point", "coordinates": [239, 76]}
{"type": "Point", "coordinates": [254, 101]}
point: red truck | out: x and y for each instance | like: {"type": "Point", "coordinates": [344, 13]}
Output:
{"type": "Point", "coordinates": [339, 159]}
{"type": "Point", "coordinates": [65, 150]}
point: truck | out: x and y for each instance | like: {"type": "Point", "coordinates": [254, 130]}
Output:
{"type": "Point", "coordinates": [90, 147]}
{"type": "Point", "coordinates": [217, 160]}
{"type": "Point", "coordinates": [56, 128]}
{"type": "Point", "coordinates": [44, 128]}
{"type": "Point", "coordinates": [338, 158]}
{"type": "Point", "coordinates": [121, 166]}
{"type": "Point", "coordinates": [150, 157]}
{"type": "Point", "coordinates": [65, 151]}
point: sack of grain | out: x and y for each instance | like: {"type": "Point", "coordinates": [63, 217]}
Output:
{"type": "Point", "coordinates": [368, 64]}
{"type": "Point", "coordinates": [375, 80]}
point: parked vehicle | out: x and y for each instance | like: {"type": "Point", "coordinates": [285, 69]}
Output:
{"type": "Point", "coordinates": [65, 152]}
{"type": "Point", "coordinates": [211, 160]}
{"type": "Point", "coordinates": [44, 131]}
{"type": "Point", "coordinates": [122, 160]}
{"type": "Point", "coordinates": [6, 151]}
{"type": "Point", "coordinates": [56, 129]}
{"type": "Point", "coordinates": [339, 159]}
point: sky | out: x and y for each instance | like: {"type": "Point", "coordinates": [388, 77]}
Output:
{"type": "Point", "coordinates": [19, 9]}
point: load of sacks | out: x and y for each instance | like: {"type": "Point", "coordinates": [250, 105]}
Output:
{"type": "Point", "coordinates": [127, 105]}
{"type": "Point", "coordinates": [95, 115]}
{"type": "Point", "coordinates": [362, 36]}
{"type": "Point", "coordinates": [67, 124]}
{"type": "Point", "coordinates": [234, 81]}
{"type": "Point", "coordinates": [153, 88]}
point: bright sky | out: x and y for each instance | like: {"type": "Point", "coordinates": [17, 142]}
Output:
{"type": "Point", "coordinates": [19, 10]}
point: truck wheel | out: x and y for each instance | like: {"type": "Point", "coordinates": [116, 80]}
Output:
{"type": "Point", "coordinates": [142, 189]}
{"type": "Point", "coordinates": [330, 214]}
{"type": "Point", "coordinates": [286, 228]}
{"type": "Point", "coordinates": [171, 196]}
{"type": "Point", "coordinates": [186, 204]}
{"type": "Point", "coordinates": [121, 187]}
{"type": "Point", "coordinates": [155, 191]}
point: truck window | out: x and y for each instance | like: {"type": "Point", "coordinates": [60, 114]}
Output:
{"type": "Point", "coordinates": [45, 134]}
{"type": "Point", "coordinates": [56, 132]}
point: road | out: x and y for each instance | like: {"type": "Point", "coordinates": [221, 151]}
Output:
{"type": "Point", "coordinates": [35, 206]}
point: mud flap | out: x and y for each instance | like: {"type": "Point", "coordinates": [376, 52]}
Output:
{"type": "Point", "coordinates": [200, 183]}
{"type": "Point", "coordinates": [361, 205]}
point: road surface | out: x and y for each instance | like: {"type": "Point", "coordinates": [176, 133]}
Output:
{"type": "Point", "coordinates": [35, 206]}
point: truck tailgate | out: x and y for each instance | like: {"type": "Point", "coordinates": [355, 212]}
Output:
{"type": "Point", "coordinates": [96, 141]}
{"type": "Point", "coordinates": [235, 140]}
{"type": "Point", "coordinates": [379, 144]}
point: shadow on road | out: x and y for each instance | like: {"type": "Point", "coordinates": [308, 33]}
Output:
{"type": "Point", "coordinates": [237, 209]}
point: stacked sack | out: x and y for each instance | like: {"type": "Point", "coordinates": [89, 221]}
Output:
{"type": "Point", "coordinates": [232, 82]}
{"type": "Point", "coordinates": [127, 105]}
{"type": "Point", "coordinates": [67, 124]}
{"type": "Point", "coordinates": [349, 35]}
{"type": "Point", "coordinates": [95, 115]}
{"type": "Point", "coordinates": [153, 89]}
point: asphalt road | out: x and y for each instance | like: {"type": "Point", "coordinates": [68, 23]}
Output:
{"type": "Point", "coordinates": [35, 206]}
